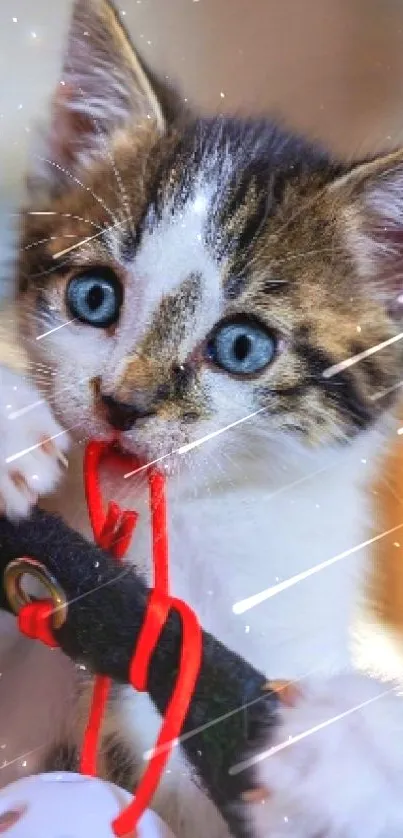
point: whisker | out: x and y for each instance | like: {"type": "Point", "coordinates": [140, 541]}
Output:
{"type": "Point", "coordinates": [66, 215]}
{"type": "Point", "coordinates": [88, 239]}
{"type": "Point", "coordinates": [303, 253]}
{"type": "Point", "coordinates": [79, 183]}
{"type": "Point", "coordinates": [106, 145]}
{"type": "Point", "coordinates": [50, 239]}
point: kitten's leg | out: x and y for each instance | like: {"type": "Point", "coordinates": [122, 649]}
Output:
{"type": "Point", "coordinates": [32, 445]}
{"type": "Point", "coordinates": [333, 767]}
{"type": "Point", "coordinates": [61, 757]}
{"type": "Point", "coordinates": [118, 759]}
{"type": "Point", "coordinates": [180, 800]}
{"type": "Point", "coordinates": [121, 764]}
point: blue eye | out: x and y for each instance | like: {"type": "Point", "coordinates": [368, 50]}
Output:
{"type": "Point", "coordinates": [241, 347]}
{"type": "Point", "coordinates": [95, 297]}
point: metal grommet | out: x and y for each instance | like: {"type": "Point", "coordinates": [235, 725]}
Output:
{"type": "Point", "coordinates": [17, 597]}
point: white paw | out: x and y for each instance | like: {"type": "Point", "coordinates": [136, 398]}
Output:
{"type": "Point", "coordinates": [335, 766]}
{"type": "Point", "coordinates": [32, 446]}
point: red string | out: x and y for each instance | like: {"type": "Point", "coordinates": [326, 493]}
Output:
{"type": "Point", "coordinates": [176, 711]}
{"type": "Point", "coordinates": [34, 620]}
{"type": "Point", "coordinates": [159, 530]}
{"type": "Point", "coordinates": [113, 531]}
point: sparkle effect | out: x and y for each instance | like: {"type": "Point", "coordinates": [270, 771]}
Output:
{"type": "Point", "coordinates": [246, 604]}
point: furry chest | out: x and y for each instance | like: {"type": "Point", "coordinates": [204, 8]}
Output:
{"type": "Point", "coordinates": [274, 576]}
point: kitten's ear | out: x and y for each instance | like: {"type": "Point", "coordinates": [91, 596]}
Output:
{"type": "Point", "coordinates": [370, 198]}
{"type": "Point", "coordinates": [104, 87]}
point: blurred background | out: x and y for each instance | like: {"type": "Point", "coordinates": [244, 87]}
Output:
{"type": "Point", "coordinates": [331, 68]}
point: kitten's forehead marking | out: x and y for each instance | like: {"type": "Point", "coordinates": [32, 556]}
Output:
{"type": "Point", "coordinates": [172, 249]}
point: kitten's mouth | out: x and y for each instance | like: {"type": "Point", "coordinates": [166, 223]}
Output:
{"type": "Point", "coordinates": [143, 445]}
{"type": "Point", "coordinates": [131, 460]}
{"type": "Point", "coordinates": [119, 449]}
{"type": "Point", "coordinates": [135, 459]}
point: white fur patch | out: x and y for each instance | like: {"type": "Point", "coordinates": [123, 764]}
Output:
{"type": "Point", "coordinates": [172, 250]}
{"type": "Point", "coordinates": [335, 765]}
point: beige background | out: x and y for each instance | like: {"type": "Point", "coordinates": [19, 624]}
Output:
{"type": "Point", "coordinates": [333, 68]}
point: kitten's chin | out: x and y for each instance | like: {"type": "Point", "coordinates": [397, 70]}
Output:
{"type": "Point", "coordinates": [142, 455]}
{"type": "Point", "coordinates": [143, 444]}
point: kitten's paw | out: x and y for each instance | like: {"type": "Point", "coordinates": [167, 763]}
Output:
{"type": "Point", "coordinates": [32, 446]}
{"type": "Point", "coordinates": [335, 766]}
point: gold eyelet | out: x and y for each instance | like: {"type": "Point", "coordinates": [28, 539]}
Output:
{"type": "Point", "coordinates": [17, 597]}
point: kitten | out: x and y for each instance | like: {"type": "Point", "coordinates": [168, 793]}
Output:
{"type": "Point", "coordinates": [193, 286]}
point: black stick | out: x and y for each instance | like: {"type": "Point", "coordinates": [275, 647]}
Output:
{"type": "Point", "coordinates": [229, 712]}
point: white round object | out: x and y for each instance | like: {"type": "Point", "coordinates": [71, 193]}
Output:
{"type": "Point", "coordinates": [67, 805]}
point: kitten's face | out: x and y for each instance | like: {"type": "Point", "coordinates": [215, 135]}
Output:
{"type": "Point", "coordinates": [184, 277]}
